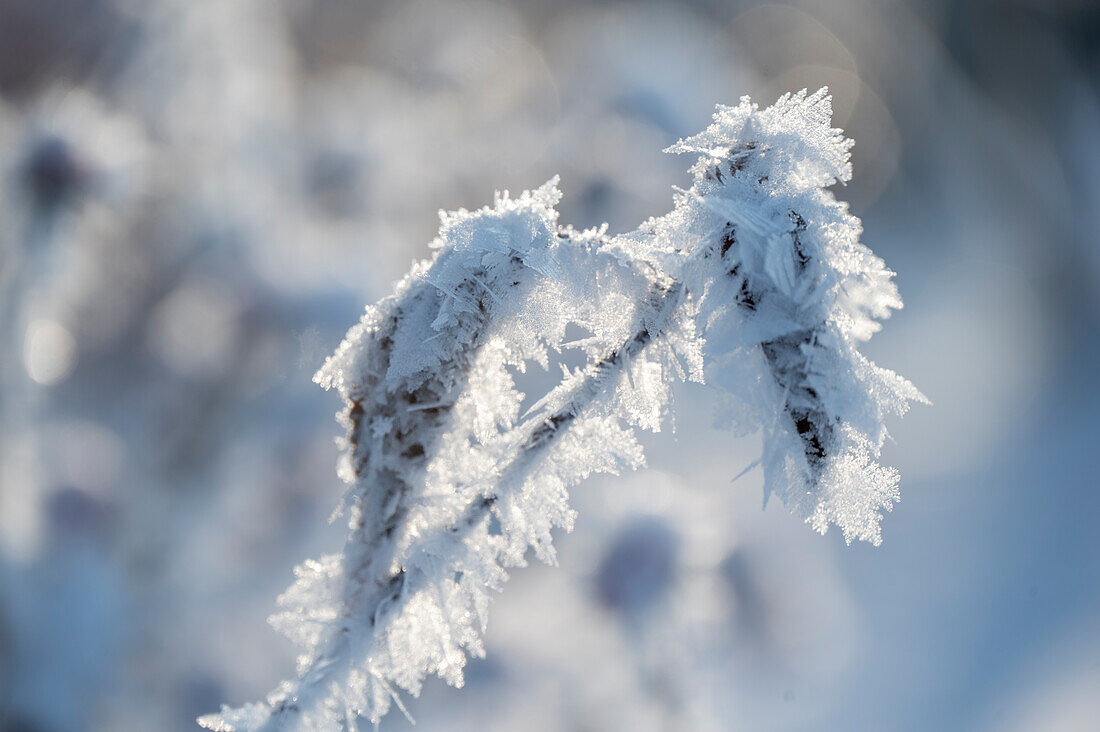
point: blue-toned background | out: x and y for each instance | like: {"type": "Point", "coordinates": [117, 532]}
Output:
{"type": "Point", "coordinates": [197, 198]}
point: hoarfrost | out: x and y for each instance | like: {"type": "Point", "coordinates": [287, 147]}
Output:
{"type": "Point", "coordinates": [755, 282]}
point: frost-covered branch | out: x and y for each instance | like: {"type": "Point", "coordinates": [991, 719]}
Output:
{"type": "Point", "coordinates": [756, 279]}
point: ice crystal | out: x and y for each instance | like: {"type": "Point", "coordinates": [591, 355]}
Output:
{"type": "Point", "coordinates": [755, 282]}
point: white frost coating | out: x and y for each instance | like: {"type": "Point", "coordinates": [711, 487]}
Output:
{"type": "Point", "coordinates": [799, 293]}
{"type": "Point", "coordinates": [756, 279]}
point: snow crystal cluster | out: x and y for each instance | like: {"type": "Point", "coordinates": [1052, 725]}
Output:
{"type": "Point", "coordinates": [755, 283]}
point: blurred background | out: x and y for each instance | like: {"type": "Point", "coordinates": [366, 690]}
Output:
{"type": "Point", "coordinates": [198, 197]}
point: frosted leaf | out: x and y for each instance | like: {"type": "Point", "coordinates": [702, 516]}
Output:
{"type": "Point", "coordinates": [787, 291]}
{"type": "Point", "coordinates": [755, 281]}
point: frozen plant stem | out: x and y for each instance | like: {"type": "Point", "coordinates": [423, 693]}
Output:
{"type": "Point", "coordinates": [755, 282]}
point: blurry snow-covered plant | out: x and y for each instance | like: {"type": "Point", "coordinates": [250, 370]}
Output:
{"type": "Point", "coordinates": [755, 282]}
